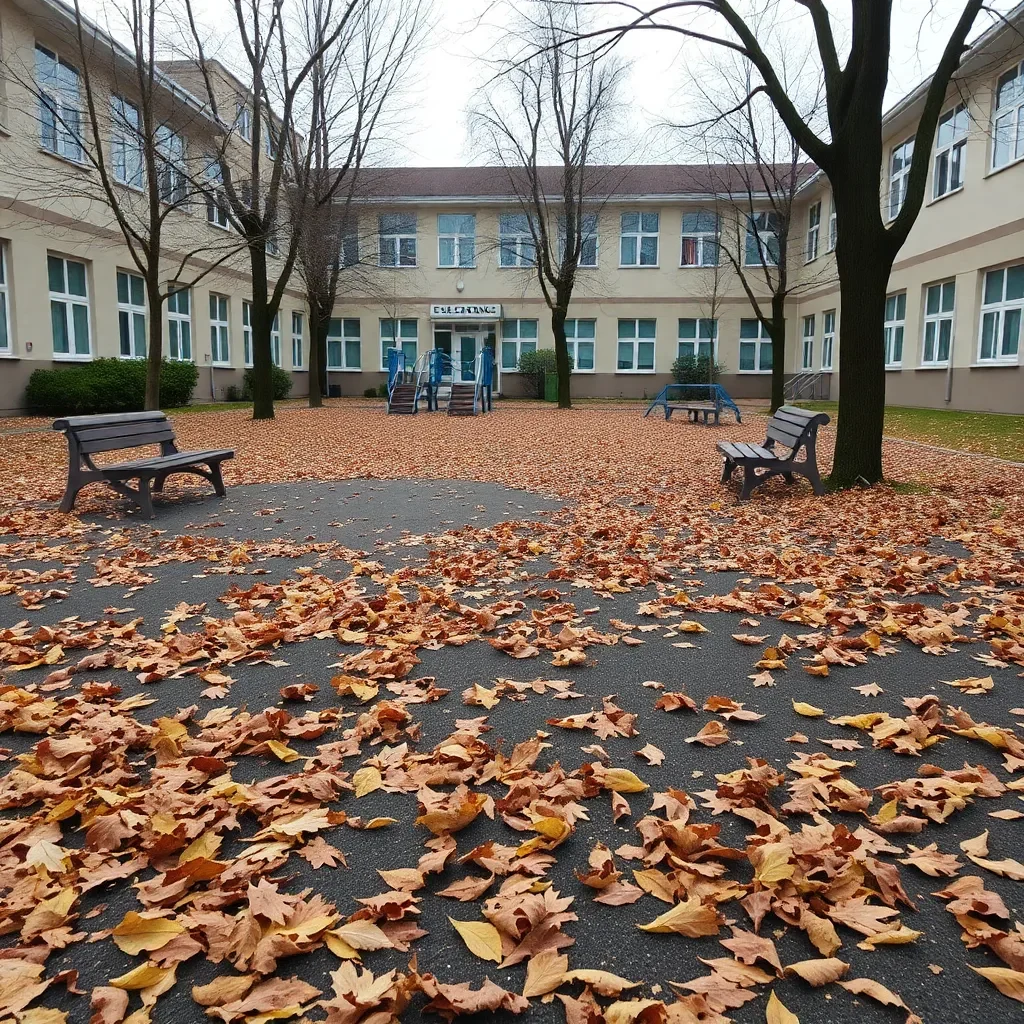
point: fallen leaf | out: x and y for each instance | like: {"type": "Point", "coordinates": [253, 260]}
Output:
{"type": "Point", "coordinates": [481, 938]}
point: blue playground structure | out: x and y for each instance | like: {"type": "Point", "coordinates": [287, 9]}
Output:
{"type": "Point", "coordinates": [696, 400]}
{"type": "Point", "coordinates": [460, 388]}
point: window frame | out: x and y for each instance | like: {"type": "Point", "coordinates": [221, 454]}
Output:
{"type": "Point", "coordinates": [833, 227]}
{"type": "Point", "coordinates": [343, 340]}
{"type": "Point", "coordinates": [954, 152]}
{"type": "Point", "coordinates": [589, 232]}
{"type": "Point", "coordinates": [132, 310]}
{"type": "Point", "coordinates": [698, 338]}
{"type": "Point", "coordinates": [7, 342]}
{"type": "Point", "coordinates": [1013, 110]}
{"type": "Point", "coordinates": [573, 343]}
{"type": "Point", "coordinates": [298, 339]}
{"type": "Point", "coordinates": [937, 319]}
{"type": "Point", "coordinates": [397, 237]}
{"type": "Point", "coordinates": [275, 340]}
{"type": "Point", "coordinates": [59, 100]}
{"type": "Point", "coordinates": [68, 299]}
{"type": "Point", "coordinates": [458, 239]}
{"type": "Point", "coordinates": [243, 121]}
{"type": "Point", "coordinates": [220, 327]}
{"type": "Point", "coordinates": [762, 342]}
{"type": "Point", "coordinates": [636, 339]}
{"type": "Point", "coordinates": [638, 237]}
{"type": "Point", "coordinates": [702, 240]}
{"type": "Point", "coordinates": [398, 336]}
{"type": "Point", "coordinates": [247, 352]}
{"type": "Point", "coordinates": [519, 243]}
{"type": "Point", "coordinates": [175, 316]}
{"type": "Point", "coordinates": [899, 178]}
{"type": "Point", "coordinates": [1000, 309]}
{"type": "Point", "coordinates": [216, 199]}
{"type": "Point", "coordinates": [813, 232]}
{"type": "Point", "coordinates": [172, 169]}
{"type": "Point", "coordinates": [517, 339]}
{"type": "Point", "coordinates": [763, 237]}
{"type": "Point", "coordinates": [828, 340]}
{"type": "Point", "coordinates": [125, 142]}
{"type": "Point", "coordinates": [892, 325]}
{"type": "Point", "coordinates": [807, 339]}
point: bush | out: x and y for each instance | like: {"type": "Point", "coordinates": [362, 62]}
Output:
{"type": "Point", "coordinates": [232, 393]}
{"type": "Point", "coordinates": [107, 385]}
{"type": "Point", "coordinates": [382, 390]}
{"type": "Point", "coordinates": [370, 393]}
{"type": "Point", "coordinates": [282, 381]}
{"type": "Point", "coordinates": [691, 369]}
{"type": "Point", "coordinates": [535, 365]}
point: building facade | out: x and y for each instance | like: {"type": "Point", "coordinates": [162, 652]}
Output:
{"type": "Point", "coordinates": [442, 257]}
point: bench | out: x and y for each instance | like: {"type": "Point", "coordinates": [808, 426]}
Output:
{"type": "Point", "coordinates": [88, 435]}
{"type": "Point", "coordinates": [694, 410]}
{"type": "Point", "coordinates": [696, 400]}
{"type": "Point", "coordinates": [795, 429]}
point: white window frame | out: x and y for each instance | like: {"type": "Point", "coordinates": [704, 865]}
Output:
{"type": "Point", "coordinates": [270, 146]}
{"type": "Point", "coordinates": [588, 233]}
{"type": "Point", "coordinates": [573, 341]}
{"type": "Point", "coordinates": [125, 143]}
{"type": "Point", "coordinates": [243, 121]}
{"type": "Point", "coordinates": [394, 237]}
{"type": "Point", "coordinates": [833, 233]}
{"type": "Point", "coordinates": [182, 325]}
{"type": "Point", "coordinates": [220, 330]}
{"type": "Point", "coordinates": [999, 311]}
{"type": "Point", "coordinates": [807, 342]}
{"type": "Point", "coordinates": [7, 341]}
{"type": "Point", "coordinates": [898, 177]}
{"type": "Point", "coordinates": [246, 333]}
{"type": "Point", "coordinates": [1012, 113]}
{"type": "Point", "coordinates": [216, 200]}
{"type": "Point", "coordinates": [637, 340]}
{"type": "Point", "coordinates": [69, 300]}
{"type": "Point", "coordinates": [813, 231]}
{"type": "Point", "coordinates": [64, 105]}
{"type": "Point", "coordinates": [638, 235]}
{"type": "Point", "coordinates": [399, 326]}
{"type": "Point", "coordinates": [298, 335]}
{"type": "Point", "coordinates": [345, 325]}
{"type": "Point", "coordinates": [172, 171]}
{"type": "Point", "coordinates": [516, 246]}
{"type": "Point", "coordinates": [707, 243]}
{"type": "Point", "coordinates": [763, 229]}
{"type": "Point", "coordinates": [937, 319]}
{"type": "Point", "coordinates": [762, 343]}
{"type": "Point", "coordinates": [698, 338]}
{"type": "Point", "coordinates": [463, 243]}
{"type": "Point", "coordinates": [513, 335]}
{"type": "Point", "coordinates": [951, 153]}
{"type": "Point", "coordinates": [275, 339]}
{"type": "Point", "coordinates": [895, 328]}
{"type": "Point", "coordinates": [828, 339]}
{"type": "Point", "coordinates": [131, 310]}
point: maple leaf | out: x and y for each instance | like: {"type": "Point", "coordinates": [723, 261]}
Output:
{"type": "Point", "coordinates": [321, 854]}
{"type": "Point", "coordinates": [869, 689]}
{"type": "Point", "coordinates": [265, 900]}
{"type": "Point", "coordinates": [712, 735]}
{"type": "Point", "coordinates": [931, 861]}
{"type": "Point", "coordinates": [653, 755]}
{"type": "Point", "coordinates": [749, 948]}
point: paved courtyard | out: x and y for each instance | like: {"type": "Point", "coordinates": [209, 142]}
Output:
{"type": "Point", "coordinates": [528, 698]}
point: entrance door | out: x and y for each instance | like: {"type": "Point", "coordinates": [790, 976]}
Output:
{"type": "Point", "coordinates": [467, 355]}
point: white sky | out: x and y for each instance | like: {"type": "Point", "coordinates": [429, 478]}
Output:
{"type": "Point", "coordinates": [453, 66]}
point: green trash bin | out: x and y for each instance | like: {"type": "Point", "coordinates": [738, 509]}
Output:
{"type": "Point", "coordinates": [550, 387]}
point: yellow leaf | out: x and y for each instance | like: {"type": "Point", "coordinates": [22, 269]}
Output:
{"type": "Point", "coordinates": [1010, 983]}
{"type": "Point", "coordinates": [776, 1013]}
{"type": "Point", "coordinates": [46, 855]}
{"type": "Point", "coordinates": [690, 626]}
{"type": "Point", "coordinates": [366, 780]}
{"type": "Point", "coordinates": [225, 988]}
{"type": "Point", "coordinates": [888, 811]}
{"type": "Point", "coordinates": [773, 864]}
{"type": "Point", "coordinates": [690, 918]}
{"type": "Point", "coordinates": [808, 711]}
{"type": "Point", "coordinates": [380, 822]}
{"type": "Point", "coordinates": [205, 846]}
{"type": "Point", "coordinates": [897, 937]}
{"type": "Point", "coordinates": [282, 751]}
{"type": "Point", "coordinates": [602, 982]}
{"type": "Point", "coordinates": [544, 973]}
{"type": "Point", "coordinates": [362, 935]}
{"type": "Point", "coordinates": [481, 938]}
{"type": "Point", "coordinates": [143, 976]}
{"type": "Point", "coordinates": [621, 780]}
{"type": "Point", "coordinates": [339, 947]}
{"type": "Point", "coordinates": [136, 933]}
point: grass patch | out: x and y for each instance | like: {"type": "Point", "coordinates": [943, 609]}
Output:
{"type": "Point", "coordinates": [908, 487]}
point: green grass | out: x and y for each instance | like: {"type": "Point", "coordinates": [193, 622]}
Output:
{"type": "Point", "coordinates": [982, 432]}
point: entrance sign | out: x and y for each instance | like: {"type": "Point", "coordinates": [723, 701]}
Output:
{"type": "Point", "coordinates": [464, 311]}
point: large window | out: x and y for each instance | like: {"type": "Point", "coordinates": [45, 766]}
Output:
{"type": "Point", "coordinates": [635, 353]}
{"type": "Point", "coordinates": [60, 105]}
{"type": "Point", "coordinates": [700, 240]}
{"type": "Point", "coordinates": [813, 231]}
{"type": "Point", "coordinates": [1008, 140]}
{"type": "Point", "coordinates": [939, 305]}
{"type": "Point", "coordinates": [398, 334]}
{"type": "Point", "coordinates": [579, 339]}
{"type": "Point", "coordinates": [246, 333]}
{"type": "Point", "coordinates": [762, 242]}
{"type": "Point", "coordinates": [243, 121]}
{"type": "Point", "coordinates": [755, 347]}
{"type": "Point", "coordinates": [125, 144]}
{"type": "Point", "coordinates": [172, 172]}
{"type": "Point", "coordinates": [220, 351]}
{"type": "Point", "coordinates": [832, 234]}
{"type": "Point", "coordinates": [456, 240]}
{"type": "Point", "coordinates": [638, 241]}
{"type": "Point", "coordinates": [179, 326]}
{"type": "Point", "coordinates": [697, 337]}
{"type": "Point", "coordinates": [588, 240]}
{"type": "Point", "coordinates": [344, 344]}
{"type": "Point", "coordinates": [895, 324]}
{"type": "Point", "coordinates": [275, 339]}
{"type": "Point", "coordinates": [5, 305]}
{"type": "Point", "coordinates": [1002, 307]}
{"type": "Point", "coordinates": [828, 339]}
{"type": "Point", "coordinates": [131, 315]}
{"type": "Point", "coordinates": [397, 239]}
{"type": "Point", "coordinates": [517, 337]}
{"type": "Point", "coordinates": [515, 241]}
{"type": "Point", "coordinates": [899, 171]}
{"type": "Point", "coordinates": [216, 200]}
{"type": "Point", "coordinates": [297, 346]}
{"type": "Point", "coordinates": [69, 308]}
{"type": "Point", "coordinates": [350, 243]}
{"type": "Point", "coordinates": [807, 349]}
{"type": "Point", "coordinates": [950, 149]}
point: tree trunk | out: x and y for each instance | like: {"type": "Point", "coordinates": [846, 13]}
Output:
{"type": "Point", "coordinates": [154, 344]}
{"type": "Point", "coordinates": [320, 323]}
{"type": "Point", "coordinates": [562, 368]}
{"type": "Point", "coordinates": [262, 378]}
{"type": "Point", "coordinates": [778, 333]}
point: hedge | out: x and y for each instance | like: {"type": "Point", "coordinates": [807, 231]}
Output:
{"type": "Point", "coordinates": [107, 385]}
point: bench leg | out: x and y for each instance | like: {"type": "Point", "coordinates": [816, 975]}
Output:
{"type": "Point", "coordinates": [727, 467]}
{"type": "Point", "coordinates": [750, 481]}
{"type": "Point", "coordinates": [144, 499]}
{"type": "Point", "coordinates": [814, 478]}
{"type": "Point", "coordinates": [788, 477]}
{"type": "Point", "coordinates": [668, 413]}
{"type": "Point", "coordinates": [216, 479]}
{"type": "Point", "coordinates": [158, 482]}
{"type": "Point", "coordinates": [67, 503]}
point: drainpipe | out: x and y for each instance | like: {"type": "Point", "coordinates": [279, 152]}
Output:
{"type": "Point", "coordinates": [949, 367]}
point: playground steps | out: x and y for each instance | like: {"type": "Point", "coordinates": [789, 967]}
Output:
{"type": "Point", "coordinates": [462, 400]}
{"type": "Point", "coordinates": [403, 399]}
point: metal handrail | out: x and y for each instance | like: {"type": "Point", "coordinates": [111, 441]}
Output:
{"type": "Point", "coordinates": [715, 393]}
{"type": "Point", "coordinates": [396, 370]}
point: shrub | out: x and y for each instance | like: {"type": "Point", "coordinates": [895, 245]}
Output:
{"type": "Point", "coordinates": [535, 364]}
{"type": "Point", "coordinates": [382, 390]}
{"type": "Point", "coordinates": [282, 381]}
{"type": "Point", "coordinates": [370, 393]}
{"type": "Point", "coordinates": [232, 393]}
{"type": "Point", "coordinates": [690, 369]}
{"type": "Point", "coordinates": [107, 385]}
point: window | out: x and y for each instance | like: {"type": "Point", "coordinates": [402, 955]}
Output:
{"type": "Point", "coordinates": [125, 145]}
{"type": "Point", "coordinates": [60, 110]}
{"type": "Point", "coordinates": [588, 240]}
{"type": "Point", "coordinates": [895, 317]}
{"type": "Point", "coordinates": [828, 339]}
{"type": "Point", "coordinates": [275, 339]}
{"type": "Point", "coordinates": [344, 346]}
{"type": "Point", "coordinates": [1008, 138]}
{"type": "Point", "coordinates": [220, 353]}
{"type": "Point", "coordinates": [899, 171]}
{"type": "Point", "coordinates": [131, 315]}
{"type": "Point", "coordinates": [397, 232]}
{"type": "Point", "coordinates": [813, 230]}
{"type": "Point", "coordinates": [697, 337]}
{"type": "Point", "coordinates": [1002, 307]}
{"type": "Point", "coordinates": [636, 346]}
{"type": "Point", "coordinates": [296, 341]}
{"type": "Point", "coordinates": [515, 241]}
{"type": "Point", "coordinates": [762, 243]}
{"type": "Point", "coordinates": [807, 351]}
{"type": "Point", "coordinates": [940, 301]}
{"type": "Point", "coordinates": [270, 243]}
{"type": "Point", "coordinates": [179, 326]}
{"type": "Point", "coordinates": [755, 347]}
{"type": "Point", "coordinates": [832, 233]}
{"type": "Point", "coordinates": [398, 334]}
{"type": "Point", "coordinates": [456, 240]}
{"type": "Point", "coordinates": [349, 244]}
{"type": "Point", "coordinates": [172, 174]}
{"type": "Point", "coordinates": [517, 337]}
{"type": "Point", "coordinates": [69, 308]}
{"type": "Point", "coordinates": [950, 149]}
{"type": "Point", "coordinates": [579, 339]}
{"type": "Point", "coordinates": [216, 200]}
{"type": "Point", "coordinates": [270, 141]}
{"type": "Point", "coordinates": [246, 333]}
{"type": "Point", "coordinates": [5, 305]}
{"type": "Point", "coordinates": [638, 242]}
{"type": "Point", "coordinates": [243, 121]}
{"type": "Point", "coordinates": [700, 240]}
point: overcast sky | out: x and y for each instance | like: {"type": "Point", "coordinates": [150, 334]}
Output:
{"type": "Point", "coordinates": [454, 65]}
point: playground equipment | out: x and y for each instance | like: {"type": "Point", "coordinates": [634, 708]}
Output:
{"type": "Point", "coordinates": [460, 388]}
{"type": "Point", "coordinates": [696, 400]}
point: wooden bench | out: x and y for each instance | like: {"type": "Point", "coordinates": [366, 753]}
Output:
{"type": "Point", "coordinates": [88, 435]}
{"type": "Point", "coordinates": [795, 429]}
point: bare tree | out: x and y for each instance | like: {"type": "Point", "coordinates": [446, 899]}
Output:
{"type": "Point", "coordinates": [848, 150]}
{"type": "Point", "coordinates": [557, 102]}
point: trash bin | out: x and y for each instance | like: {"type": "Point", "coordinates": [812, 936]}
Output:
{"type": "Point", "coordinates": [550, 387]}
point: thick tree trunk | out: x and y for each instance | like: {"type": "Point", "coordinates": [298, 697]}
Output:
{"type": "Point", "coordinates": [562, 368]}
{"type": "Point", "coordinates": [154, 344]}
{"type": "Point", "coordinates": [320, 322]}
{"type": "Point", "coordinates": [262, 378]}
{"type": "Point", "coordinates": [778, 334]}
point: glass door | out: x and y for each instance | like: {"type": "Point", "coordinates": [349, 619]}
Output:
{"type": "Point", "coordinates": [467, 355]}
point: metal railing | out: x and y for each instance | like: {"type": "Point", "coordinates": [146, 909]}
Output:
{"type": "Point", "coordinates": [808, 384]}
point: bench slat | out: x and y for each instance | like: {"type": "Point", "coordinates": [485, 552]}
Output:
{"type": "Point", "coordinates": [123, 441]}
{"type": "Point", "coordinates": [107, 419]}
{"type": "Point", "coordinates": [179, 459]}
{"type": "Point", "coordinates": [788, 436]}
